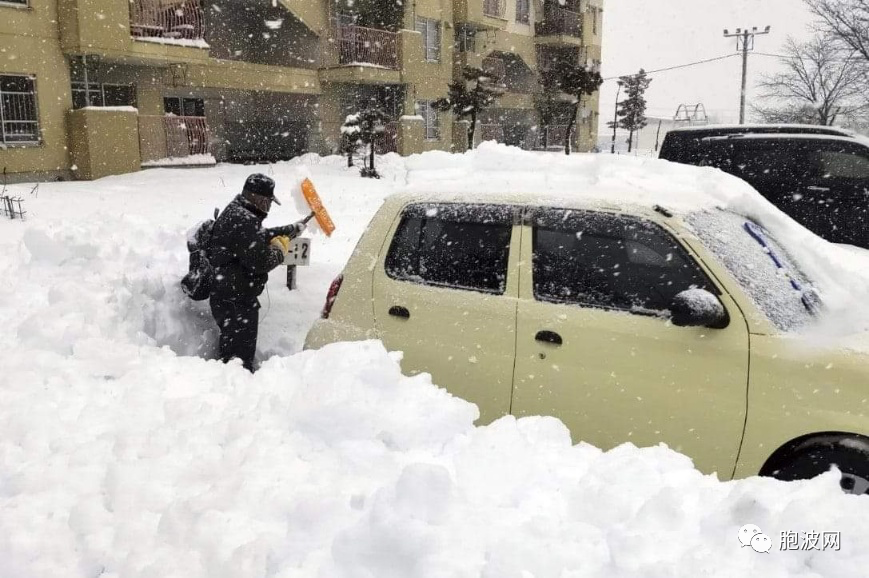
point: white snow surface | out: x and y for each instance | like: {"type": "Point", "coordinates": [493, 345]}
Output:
{"type": "Point", "coordinates": [189, 160]}
{"type": "Point", "coordinates": [125, 453]}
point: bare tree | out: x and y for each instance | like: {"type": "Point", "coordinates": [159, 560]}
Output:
{"type": "Point", "coordinates": [819, 84]}
{"type": "Point", "coordinates": [847, 21]}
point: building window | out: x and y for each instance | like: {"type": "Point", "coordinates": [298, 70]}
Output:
{"type": "Point", "coordinates": [466, 38]}
{"type": "Point", "coordinates": [184, 106]}
{"type": "Point", "coordinates": [523, 11]}
{"type": "Point", "coordinates": [594, 14]}
{"type": "Point", "coordinates": [19, 122]}
{"type": "Point", "coordinates": [431, 38]}
{"type": "Point", "coordinates": [16, 2]}
{"type": "Point", "coordinates": [426, 109]}
{"type": "Point", "coordinates": [97, 94]}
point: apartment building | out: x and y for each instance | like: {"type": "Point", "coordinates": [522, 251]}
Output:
{"type": "Point", "coordinates": [90, 88]}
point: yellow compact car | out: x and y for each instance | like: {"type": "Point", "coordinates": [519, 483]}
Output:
{"type": "Point", "coordinates": [628, 323]}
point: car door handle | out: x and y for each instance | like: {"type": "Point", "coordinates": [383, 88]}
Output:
{"type": "Point", "coordinates": [399, 311]}
{"type": "Point", "coordinates": [819, 189]}
{"type": "Point", "coordinates": [548, 337]}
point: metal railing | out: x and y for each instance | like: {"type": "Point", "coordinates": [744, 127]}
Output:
{"type": "Point", "coordinates": [163, 137]}
{"type": "Point", "coordinates": [558, 21]}
{"type": "Point", "coordinates": [495, 8]}
{"type": "Point", "coordinates": [360, 45]}
{"type": "Point", "coordinates": [182, 20]}
{"type": "Point", "coordinates": [18, 121]}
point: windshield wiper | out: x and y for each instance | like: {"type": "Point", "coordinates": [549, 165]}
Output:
{"type": "Point", "coordinates": [810, 298]}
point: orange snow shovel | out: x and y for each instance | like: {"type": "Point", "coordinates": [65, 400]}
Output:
{"type": "Point", "coordinates": [318, 211]}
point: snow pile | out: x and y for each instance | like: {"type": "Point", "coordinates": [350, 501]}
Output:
{"type": "Point", "coordinates": [127, 461]}
{"type": "Point", "coordinates": [124, 453]}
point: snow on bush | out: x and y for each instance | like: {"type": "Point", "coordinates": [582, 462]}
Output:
{"type": "Point", "coordinates": [124, 453]}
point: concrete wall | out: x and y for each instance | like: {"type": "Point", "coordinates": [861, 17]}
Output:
{"type": "Point", "coordinates": [29, 46]}
{"type": "Point", "coordinates": [103, 142]}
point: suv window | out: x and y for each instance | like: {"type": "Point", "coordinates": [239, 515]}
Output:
{"type": "Point", "coordinates": [459, 245]}
{"type": "Point", "coordinates": [610, 261]}
{"type": "Point", "coordinates": [844, 165]}
{"type": "Point", "coordinates": [777, 290]}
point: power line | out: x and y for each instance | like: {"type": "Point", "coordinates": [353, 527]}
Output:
{"type": "Point", "coordinates": [726, 56]}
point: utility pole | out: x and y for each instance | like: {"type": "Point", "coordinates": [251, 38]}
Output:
{"type": "Point", "coordinates": [744, 42]}
{"type": "Point", "coordinates": [616, 119]}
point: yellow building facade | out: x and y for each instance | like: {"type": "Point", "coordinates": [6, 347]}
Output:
{"type": "Point", "coordinates": [90, 88]}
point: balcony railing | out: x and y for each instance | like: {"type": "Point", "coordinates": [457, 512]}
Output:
{"type": "Point", "coordinates": [162, 137]}
{"type": "Point", "coordinates": [495, 8]}
{"type": "Point", "coordinates": [558, 21]}
{"type": "Point", "coordinates": [180, 20]}
{"type": "Point", "coordinates": [359, 45]}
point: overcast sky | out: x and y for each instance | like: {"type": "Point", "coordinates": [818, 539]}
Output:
{"type": "Point", "coordinates": [655, 34]}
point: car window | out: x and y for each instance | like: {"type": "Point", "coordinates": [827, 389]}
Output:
{"type": "Point", "coordinates": [452, 245]}
{"type": "Point", "coordinates": [761, 161]}
{"type": "Point", "coordinates": [764, 269]}
{"type": "Point", "coordinates": [609, 261]}
{"type": "Point", "coordinates": [844, 165]}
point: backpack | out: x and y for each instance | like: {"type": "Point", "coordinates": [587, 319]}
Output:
{"type": "Point", "coordinates": [197, 282]}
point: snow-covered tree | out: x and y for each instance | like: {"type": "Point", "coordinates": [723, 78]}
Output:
{"type": "Point", "coordinates": [351, 137]}
{"type": "Point", "coordinates": [369, 125]}
{"type": "Point", "coordinates": [470, 96]}
{"type": "Point", "coordinates": [631, 115]}
{"type": "Point", "coordinates": [575, 80]}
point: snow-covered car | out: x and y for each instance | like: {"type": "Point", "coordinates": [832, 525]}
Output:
{"type": "Point", "coordinates": [817, 175]}
{"type": "Point", "coordinates": [630, 323]}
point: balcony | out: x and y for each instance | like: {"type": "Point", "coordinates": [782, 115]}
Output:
{"type": "Point", "coordinates": [558, 21]}
{"type": "Point", "coordinates": [158, 19]}
{"type": "Point", "coordinates": [173, 137]}
{"type": "Point", "coordinates": [367, 46]}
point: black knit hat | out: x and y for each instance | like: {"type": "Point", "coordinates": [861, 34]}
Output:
{"type": "Point", "coordinates": [260, 184]}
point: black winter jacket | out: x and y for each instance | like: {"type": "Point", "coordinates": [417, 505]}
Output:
{"type": "Point", "coordinates": [240, 252]}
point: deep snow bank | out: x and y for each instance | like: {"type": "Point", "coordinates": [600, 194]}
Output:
{"type": "Point", "coordinates": [122, 460]}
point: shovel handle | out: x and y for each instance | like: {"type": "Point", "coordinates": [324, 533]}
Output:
{"type": "Point", "coordinates": [308, 218]}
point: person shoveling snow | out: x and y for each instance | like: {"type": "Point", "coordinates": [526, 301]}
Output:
{"type": "Point", "coordinates": [241, 253]}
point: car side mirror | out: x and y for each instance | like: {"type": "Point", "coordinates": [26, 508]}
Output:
{"type": "Point", "coordinates": [698, 308]}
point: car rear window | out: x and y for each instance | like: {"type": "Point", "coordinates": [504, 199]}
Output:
{"type": "Point", "coordinates": [461, 246]}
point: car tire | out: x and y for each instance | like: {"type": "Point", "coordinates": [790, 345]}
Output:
{"type": "Point", "coordinates": [814, 461]}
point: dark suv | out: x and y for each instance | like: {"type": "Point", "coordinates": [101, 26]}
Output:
{"type": "Point", "coordinates": [818, 175]}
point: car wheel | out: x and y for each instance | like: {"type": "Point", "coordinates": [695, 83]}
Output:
{"type": "Point", "coordinates": [852, 462]}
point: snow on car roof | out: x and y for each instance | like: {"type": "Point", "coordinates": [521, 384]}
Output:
{"type": "Point", "coordinates": [814, 129]}
{"type": "Point", "coordinates": [784, 136]}
{"type": "Point", "coordinates": [505, 174]}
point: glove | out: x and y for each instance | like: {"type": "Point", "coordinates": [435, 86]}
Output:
{"type": "Point", "coordinates": [282, 243]}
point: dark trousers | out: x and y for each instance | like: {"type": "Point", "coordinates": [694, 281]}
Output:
{"type": "Point", "coordinates": [238, 322]}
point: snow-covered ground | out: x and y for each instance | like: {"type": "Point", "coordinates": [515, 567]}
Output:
{"type": "Point", "coordinates": [123, 452]}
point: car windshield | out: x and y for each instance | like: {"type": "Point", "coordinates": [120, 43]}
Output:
{"type": "Point", "coordinates": [765, 270]}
